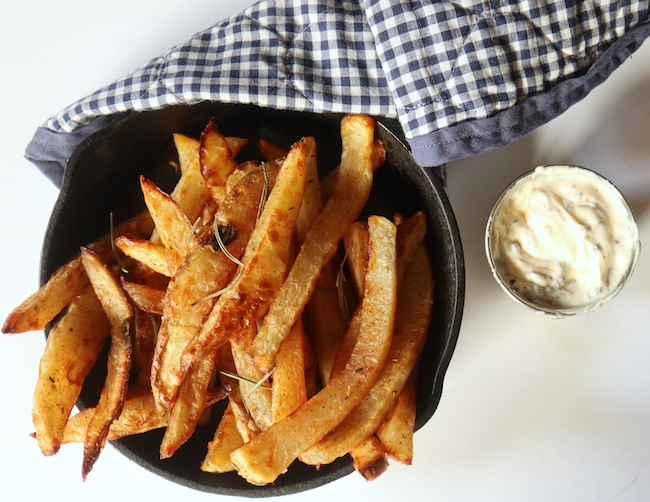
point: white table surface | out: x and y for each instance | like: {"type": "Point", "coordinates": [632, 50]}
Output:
{"type": "Point", "coordinates": [532, 409]}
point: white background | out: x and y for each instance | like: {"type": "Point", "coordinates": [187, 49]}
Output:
{"type": "Point", "coordinates": [533, 409]}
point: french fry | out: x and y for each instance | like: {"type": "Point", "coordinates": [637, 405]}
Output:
{"type": "Point", "coordinates": [71, 350]}
{"type": "Point", "coordinates": [289, 387]}
{"type": "Point", "coordinates": [144, 341]}
{"type": "Point", "coordinates": [369, 458]}
{"type": "Point", "coordinates": [345, 204]}
{"type": "Point", "coordinates": [264, 263]}
{"type": "Point", "coordinates": [266, 456]}
{"type": "Point", "coordinates": [139, 415]}
{"type": "Point", "coordinates": [396, 431]}
{"type": "Point", "coordinates": [146, 298]}
{"type": "Point", "coordinates": [256, 399]}
{"type": "Point", "coordinates": [205, 271]}
{"type": "Point", "coordinates": [411, 325]}
{"type": "Point", "coordinates": [150, 254]}
{"type": "Point", "coordinates": [119, 314]}
{"type": "Point", "coordinates": [172, 225]}
{"type": "Point", "coordinates": [356, 252]}
{"type": "Point", "coordinates": [215, 157]}
{"type": "Point", "coordinates": [67, 282]}
{"type": "Point", "coordinates": [188, 407]}
{"type": "Point", "coordinates": [271, 151]}
{"type": "Point", "coordinates": [226, 440]}
{"type": "Point", "coordinates": [188, 149]}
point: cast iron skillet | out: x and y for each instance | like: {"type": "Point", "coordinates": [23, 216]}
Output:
{"type": "Point", "coordinates": [102, 177]}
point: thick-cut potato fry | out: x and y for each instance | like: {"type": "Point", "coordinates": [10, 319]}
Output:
{"type": "Point", "coordinates": [289, 388]}
{"type": "Point", "coordinates": [411, 325]}
{"type": "Point", "coordinates": [226, 440]}
{"type": "Point", "coordinates": [139, 415]}
{"type": "Point", "coordinates": [396, 432]}
{"type": "Point", "coordinates": [345, 204]}
{"type": "Point", "coordinates": [71, 350]}
{"type": "Point", "coordinates": [356, 252]}
{"type": "Point", "coordinates": [256, 399]}
{"type": "Point", "coordinates": [188, 149]}
{"type": "Point", "coordinates": [67, 282]}
{"type": "Point", "coordinates": [325, 321]}
{"type": "Point", "coordinates": [271, 151]}
{"type": "Point", "coordinates": [188, 407]}
{"type": "Point", "coordinates": [119, 314]}
{"type": "Point", "coordinates": [369, 458]}
{"type": "Point", "coordinates": [265, 457]}
{"type": "Point", "coordinates": [151, 254]}
{"type": "Point", "coordinates": [215, 156]}
{"type": "Point", "coordinates": [204, 271]}
{"type": "Point", "coordinates": [145, 297]}
{"type": "Point", "coordinates": [410, 234]}
{"type": "Point", "coordinates": [172, 225]}
{"type": "Point", "coordinates": [264, 263]}
{"type": "Point", "coordinates": [144, 341]}
{"type": "Point", "coordinates": [242, 170]}
{"type": "Point", "coordinates": [311, 204]}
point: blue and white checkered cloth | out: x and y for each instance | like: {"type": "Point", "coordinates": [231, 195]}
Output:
{"type": "Point", "coordinates": [461, 76]}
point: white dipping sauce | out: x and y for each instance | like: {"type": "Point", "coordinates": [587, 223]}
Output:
{"type": "Point", "coordinates": [562, 239]}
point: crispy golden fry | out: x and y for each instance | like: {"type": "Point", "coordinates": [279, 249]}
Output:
{"type": "Point", "coordinates": [151, 254]}
{"type": "Point", "coordinates": [396, 432]}
{"type": "Point", "coordinates": [289, 388]}
{"type": "Point", "coordinates": [265, 457]}
{"type": "Point", "coordinates": [356, 252]}
{"type": "Point", "coordinates": [203, 272]}
{"type": "Point", "coordinates": [242, 170]}
{"type": "Point", "coordinates": [172, 225]}
{"type": "Point", "coordinates": [271, 151]}
{"type": "Point", "coordinates": [257, 399]}
{"type": "Point", "coordinates": [369, 458]}
{"type": "Point", "coordinates": [191, 191]}
{"type": "Point", "coordinates": [215, 156]}
{"type": "Point", "coordinates": [119, 314]}
{"type": "Point", "coordinates": [311, 201]}
{"type": "Point", "coordinates": [188, 150]}
{"type": "Point", "coordinates": [145, 297]}
{"type": "Point", "coordinates": [226, 440]}
{"type": "Point", "coordinates": [71, 350]}
{"type": "Point", "coordinates": [188, 407]}
{"type": "Point", "coordinates": [67, 282]}
{"type": "Point", "coordinates": [411, 325]}
{"type": "Point", "coordinates": [144, 341]}
{"type": "Point", "coordinates": [324, 320]}
{"type": "Point", "coordinates": [343, 207]}
{"type": "Point", "coordinates": [264, 263]}
{"type": "Point", "coordinates": [410, 234]}
{"type": "Point", "coordinates": [139, 415]}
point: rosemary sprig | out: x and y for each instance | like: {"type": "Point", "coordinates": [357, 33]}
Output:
{"type": "Point", "coordinates": [242, 379]}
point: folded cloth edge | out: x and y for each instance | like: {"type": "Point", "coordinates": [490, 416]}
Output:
{"type": "Point", "coordinates": [470, 138]}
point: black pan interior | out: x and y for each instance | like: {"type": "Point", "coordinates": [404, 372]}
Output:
{"type": "Point", "coordinates": [102, 177]}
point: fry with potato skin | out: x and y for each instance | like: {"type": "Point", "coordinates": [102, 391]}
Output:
{"type": "Point", "coordinates": [411, 326]}
{"type": "Point", "coordinates": [68, 281]}
{"type": "Point", "coordinates": [264, 263]}
{"type": "Point", "coordinates": [71, 350]}
{"type": "Point", "coordinates": [266, 456]}
{"type": "Point", "coordinates": [350, 195]}
{"type": "Point", "coordinates": [215, 156]}
{"type": "Point", "coordinates": [203, 272]}
{"type": "Point", "coordinates": [119, 314]}
{"type": "Point", "coordinates": [151, 254]}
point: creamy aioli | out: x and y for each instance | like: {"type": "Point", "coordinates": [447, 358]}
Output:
{"type": "Point", "coordinates": [562, 238]}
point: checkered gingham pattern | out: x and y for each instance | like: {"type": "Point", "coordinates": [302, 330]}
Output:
{"type": "Point", "coordinates": [432, 64]}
